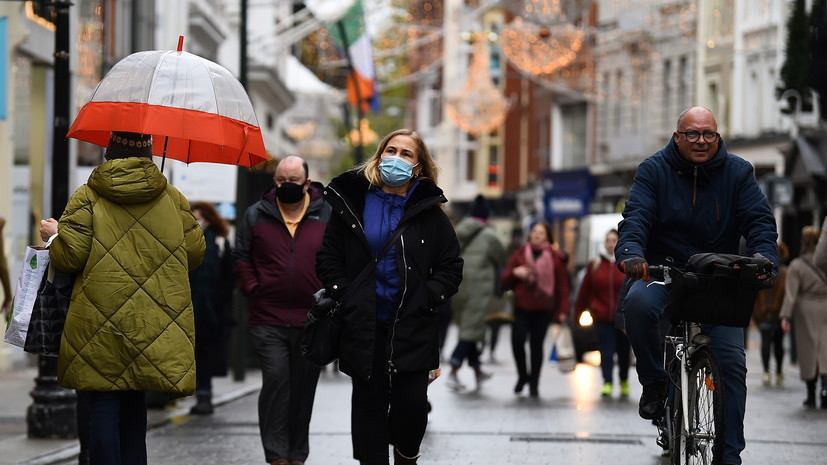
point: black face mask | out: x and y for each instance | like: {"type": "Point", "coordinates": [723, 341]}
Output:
{"type": "Point", "coordinates": [287, 192]}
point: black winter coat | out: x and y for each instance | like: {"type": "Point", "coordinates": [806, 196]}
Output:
{"type": "Point", "coordinates": [428, 256]}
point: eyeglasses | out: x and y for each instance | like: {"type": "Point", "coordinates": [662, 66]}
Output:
{"type": "Point", "coordinates": [693, 136]}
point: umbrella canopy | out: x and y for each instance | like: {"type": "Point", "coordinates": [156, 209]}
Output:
{"type": "Point", "coordinates": [195, 109]}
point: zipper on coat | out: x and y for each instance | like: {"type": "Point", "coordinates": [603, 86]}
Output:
{"type": "Point", "coordinates": [348, 208]}
{"type": "Point", "coordinates": [391, 368]}
{"type": "Point", "coordinates": [694, 186]}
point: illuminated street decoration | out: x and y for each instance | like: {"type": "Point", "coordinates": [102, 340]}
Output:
{"type": "Point", "coordinates": [478, 107]}
{"type": "Point", "coordinates": [540, 50]}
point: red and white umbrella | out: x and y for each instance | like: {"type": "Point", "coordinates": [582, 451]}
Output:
{"type": "Point", "coordinates": [196, 110]}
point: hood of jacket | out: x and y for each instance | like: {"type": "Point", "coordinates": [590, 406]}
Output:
{"type": "Point", "coordinates": [128, 180]}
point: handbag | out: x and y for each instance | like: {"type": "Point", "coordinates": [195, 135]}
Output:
{"type": "Point", "coordinates": [565, 349]}
{"type": "Point", "coordinates": [35, 263]}
{"type": "Point", "coordinates": [49, 313]}
{"type": "Point", "coordinates": [320, 337]}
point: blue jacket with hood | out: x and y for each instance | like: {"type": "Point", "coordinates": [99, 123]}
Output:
{"type": "Point", "coordinates": [677, 209]}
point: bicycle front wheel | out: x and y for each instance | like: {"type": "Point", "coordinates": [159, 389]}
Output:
{"type": "Point", "coordinates": [702, 443]}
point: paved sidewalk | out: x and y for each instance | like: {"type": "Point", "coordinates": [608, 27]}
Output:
{"type": "Point", "coordinates": [18, 449]}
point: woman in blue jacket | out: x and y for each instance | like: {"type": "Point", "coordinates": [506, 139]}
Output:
{"type": "Point", "coordinates": [390, 340]}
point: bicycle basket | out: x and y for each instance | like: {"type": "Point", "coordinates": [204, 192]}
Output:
{"type": "Point", "coordinates": [716, 289]}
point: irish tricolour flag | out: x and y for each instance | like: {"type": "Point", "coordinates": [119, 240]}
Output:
{"type": "Point", "coordinates": [351, 35]}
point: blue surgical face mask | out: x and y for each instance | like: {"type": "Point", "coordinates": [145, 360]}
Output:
{"type": "Point", "coordinates": [395, 171]}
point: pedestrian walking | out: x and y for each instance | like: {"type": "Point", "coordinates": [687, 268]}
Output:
{"type": "Point", "coordinates": [599, 293]}
{"type": "Point", "coordinates": [765, 314]}
{"type": "Point", "coordinates": [537, 274]}
{"type": "Point", "coordinates": [390, 339]}
{"type": "Point", "coordinates": [691, 197]}
{"type": "Point", "coordinates": [482, 253]}
{"type": "Point", "coordinates": [804, 295]}
{"type": "Point", "coordinates": [274, 261]}
{"type": "Point", "coordinates": [132, 239]}
{"type": "Point", "coordinates": [212, 286]}
{"type": "Point", "coordinates": [501, 312]}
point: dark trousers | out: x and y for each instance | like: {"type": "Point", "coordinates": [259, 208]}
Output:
{"type": "Point", "coordinates": [772, 340]}
{"type": "Point", "coordinates": [612, 341]}
{"type": "Point", "coordinates": [644, 308]}
{"type": "Point", "coordinates": [117, 427]}
{"type": "Point", "coordinates": [203, 360]}
{"type": "Point", "coordinates": [466, 350]}
{"type": "Point", "coordinates": [388, 409]}
{"type": "Point", "coordinates": [531, 326]}
{"type": "Point", "coordinates": [288, 389]}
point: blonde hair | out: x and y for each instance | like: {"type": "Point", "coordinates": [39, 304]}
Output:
{"type": "Point", "coordinates": [429, 170]}
{"type": "Point", "coordinates": [809, 238]}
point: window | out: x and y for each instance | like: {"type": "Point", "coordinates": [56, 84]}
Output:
{"type": "Point", "coordinates": [573, 117]}
{"type": "Point", "coordinates": [683, 83]}
{"type": "Point", "coordinates": [667, 88]}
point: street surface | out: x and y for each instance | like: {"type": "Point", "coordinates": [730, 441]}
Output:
{"type": "Point", "coordinates": [568, 424]}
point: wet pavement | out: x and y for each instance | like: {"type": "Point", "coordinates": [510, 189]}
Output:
{"type": "Point", "coordinates": [568, 424]}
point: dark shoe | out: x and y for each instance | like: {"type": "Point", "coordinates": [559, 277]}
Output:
{"type": "Point", "coordinates": [809, 402]}
{"type": "Point", "coordinates": [521, 381]}
{"type": "Point", "coordinates": [823, 399]}
{"type": "Point", "coordinates": [652, 400]}
{"type": "Point", "coordinates": [533, 391]}
{"type": "Point", "coordinates": [280, 461]}
{"type": "Point", "coordinates": [203, 406]}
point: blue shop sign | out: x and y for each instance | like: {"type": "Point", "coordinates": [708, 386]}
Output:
{"type": "Point", "coordinates": [567, 194]}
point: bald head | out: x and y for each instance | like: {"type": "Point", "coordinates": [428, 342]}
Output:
{"type": "Point", "coordinates": [696, 112]}
{"type": "Point", "coordinates": [290, 166]}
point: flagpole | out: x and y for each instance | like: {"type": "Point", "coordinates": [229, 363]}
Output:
{"type": "Point", "coordinates": [357, 149]}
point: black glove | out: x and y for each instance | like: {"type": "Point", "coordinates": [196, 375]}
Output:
{"type": "Point", "coordinates": [766, 275]}
{"type": "Point", "coordinates": [635, 268]}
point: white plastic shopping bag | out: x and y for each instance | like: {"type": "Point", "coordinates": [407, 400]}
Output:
{"type": "Point", "coordinates": [565, 349]}
{"type": "Point", "coordinates": [35, 264]}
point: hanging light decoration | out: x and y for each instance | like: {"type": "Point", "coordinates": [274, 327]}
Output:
{"type": "Point", "coordinates": [478, 107]}
{"type": "Point", "coordinates": [543, 12]}
{"type": "Point", "coordinates": [538, 49]}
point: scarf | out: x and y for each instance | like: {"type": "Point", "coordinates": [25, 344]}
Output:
{"type": "Point", "coordinates": [543, 268]}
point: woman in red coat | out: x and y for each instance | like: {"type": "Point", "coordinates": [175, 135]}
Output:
{"type": "Point", "coordinates": [538, 275]}
{"type": "Point", "coordinates": [598, 294]}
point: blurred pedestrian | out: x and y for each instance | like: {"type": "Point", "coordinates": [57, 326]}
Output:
{"type": "Point", "coordinates": [4, 276]}
{"type": "Point", "coordinates": [804, 296]}
{"type": "Point", "coordinates": [390, 339]}
{"type": "Point", "coordinates": [132, 239]}
{"type": "Point", "coordinates": [482, 253]}
{"type": "Point", "coordinates": [212, 286]}
{"type": "Point", "coordinates": [537, 274]}
{"type": "Point", "coordinates": [765, 314]}
{"type": "Point", "coordinates": [599, 294]}
{"type": "Point", "coordinates": [275, 258]}
{"type": "Point", "coordinates": [501, 312]}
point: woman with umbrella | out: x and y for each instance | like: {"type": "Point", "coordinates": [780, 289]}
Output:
{"type": "Point", "coordinates": [390, 338]}
{"type": "Point", "coordinates": [132, 239]}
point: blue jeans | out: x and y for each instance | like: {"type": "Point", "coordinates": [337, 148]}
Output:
{"type": "Point", "coordinates": [644, 311]}
{"type": "Point", "coordinates": [612, 341]}
{"type": "Point", "coordinates": [117, 428]}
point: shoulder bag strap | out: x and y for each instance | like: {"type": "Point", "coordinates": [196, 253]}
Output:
{"type": "Point", "coordinates": [814, 268]}
{"type": "Point", "coordinates": [470, 239]}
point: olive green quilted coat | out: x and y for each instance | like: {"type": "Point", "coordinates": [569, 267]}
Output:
{"type": "Point", "coordinates": [133, 239]}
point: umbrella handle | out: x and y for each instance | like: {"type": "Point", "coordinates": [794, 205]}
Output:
{"type": "Point", "coordinates": [166, 140]}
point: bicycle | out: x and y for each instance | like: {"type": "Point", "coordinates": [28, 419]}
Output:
{"type": "Point", "coordinates": [692, 428]}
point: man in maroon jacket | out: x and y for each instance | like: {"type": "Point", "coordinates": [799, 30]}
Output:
{"type": "Point", "coordinates": [274, 261]}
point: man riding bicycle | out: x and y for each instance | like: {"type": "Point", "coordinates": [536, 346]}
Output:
{"type": "Point", "coordinates": [690, 197]}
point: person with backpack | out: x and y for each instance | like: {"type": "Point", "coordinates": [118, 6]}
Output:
{"type": "Point", "coordinates": [598, 293]}
{"type": "Point", "coordinates": [482, 253]}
